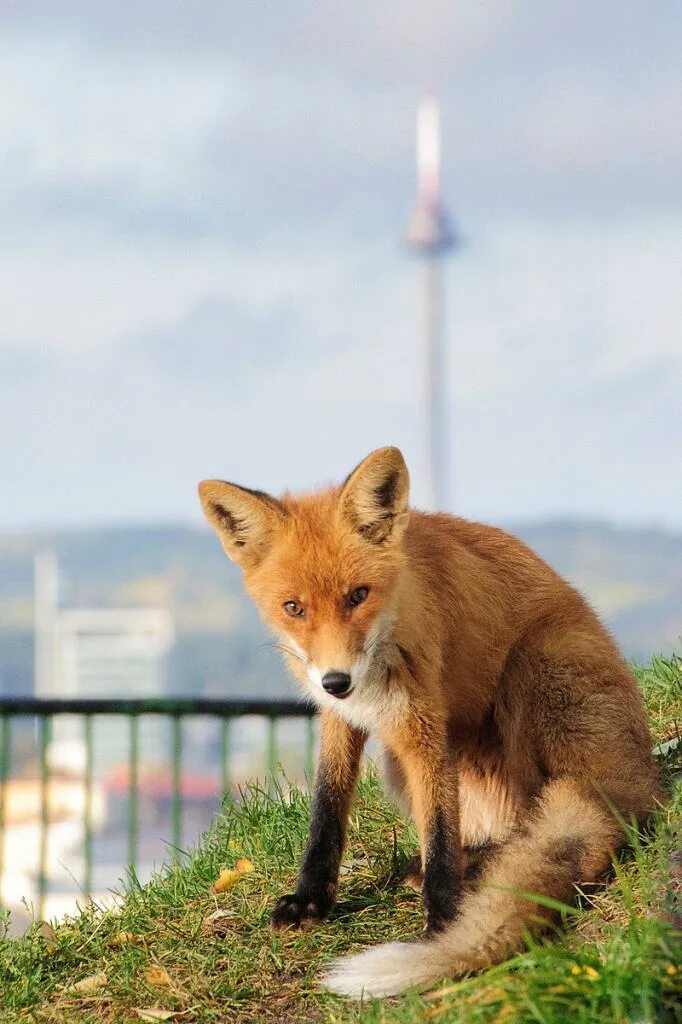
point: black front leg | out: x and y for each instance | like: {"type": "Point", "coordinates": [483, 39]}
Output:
{"type": "Point", "coordinates": [432, 785]}
{"type": "Point", "coordinates": [340, 750]}
{"type": "Point", "coordinates": [441, 886]}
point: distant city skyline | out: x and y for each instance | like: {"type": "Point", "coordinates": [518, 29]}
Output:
{"type": "Point", "coordinates": [201, 275]}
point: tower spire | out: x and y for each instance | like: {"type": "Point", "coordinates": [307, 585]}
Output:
{"type": "Point", "coordinates": [431, 236]}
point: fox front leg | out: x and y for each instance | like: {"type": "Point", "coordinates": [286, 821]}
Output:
{"type": "Point", "coordinates": [337, 771]}
{"type": "Point", "coordinates": [433, 790]}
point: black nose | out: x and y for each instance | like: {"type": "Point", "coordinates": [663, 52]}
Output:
{"type": "Point", "coordinates": [336, 683]}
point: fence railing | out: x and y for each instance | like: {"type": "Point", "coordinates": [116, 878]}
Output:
{"type": "Point", "coordinates": [44, 713]}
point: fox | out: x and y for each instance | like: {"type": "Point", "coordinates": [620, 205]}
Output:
{"type": "Point", "coordinates": [512, 731]}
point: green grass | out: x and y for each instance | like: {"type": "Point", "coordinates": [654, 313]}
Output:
{"type": "Point", "coordinates": [619, 961]}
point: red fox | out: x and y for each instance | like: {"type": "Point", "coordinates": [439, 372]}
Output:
{"type": "Point", "coordinates": [508, 719]}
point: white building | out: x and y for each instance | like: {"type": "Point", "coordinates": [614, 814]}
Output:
{"type": "Point", "coordinates": [111, 652]}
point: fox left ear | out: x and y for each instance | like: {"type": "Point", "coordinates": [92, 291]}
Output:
{"type": "Point", "coordinates": [374, 497]}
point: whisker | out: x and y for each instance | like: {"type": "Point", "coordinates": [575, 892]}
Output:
{"type": "Point", "coordinates": [375, 642]}
{"type": "Point", "coordinates": [285, 649]}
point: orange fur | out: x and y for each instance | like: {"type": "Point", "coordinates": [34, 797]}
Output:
{"type": "Point", "coordinates": [504, 707]}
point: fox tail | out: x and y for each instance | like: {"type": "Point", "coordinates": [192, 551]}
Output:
{"type": "Point", "coordinates": [570, 837]}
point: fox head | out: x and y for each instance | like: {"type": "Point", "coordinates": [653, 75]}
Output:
{"type": "Point", "coordinates": [323, 569]}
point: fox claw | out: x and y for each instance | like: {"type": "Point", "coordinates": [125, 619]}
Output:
{"type": "Point", "coordinates": [293, 912]}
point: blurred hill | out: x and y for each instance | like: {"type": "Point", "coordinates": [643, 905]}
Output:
{"type": "Point", "coordinates": [633, 577]}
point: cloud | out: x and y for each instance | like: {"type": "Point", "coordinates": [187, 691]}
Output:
{"type": "Point", "coordinates": [203, 271]}
{"type": "Point", "coordinates": [210, 126]}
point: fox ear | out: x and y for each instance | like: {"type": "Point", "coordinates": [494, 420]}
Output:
{"type": "Point", "coordinates": [244, 520]}
{"type": "Point", "coordinates": [374, 497]}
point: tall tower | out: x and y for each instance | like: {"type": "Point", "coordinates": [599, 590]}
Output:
{"type": "Point", "coordinates": [431, 237]}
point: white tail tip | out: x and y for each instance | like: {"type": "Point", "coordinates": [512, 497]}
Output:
{"type": "Point", "coordinates": [382, 971]}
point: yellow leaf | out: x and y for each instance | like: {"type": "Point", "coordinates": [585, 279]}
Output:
{"type": "Point", "coordinates": [226, 880]}
{"type": "Point", "coordinates": [575, 969]}
{"type": "Point", "coordinates": [244, 866]}
{"type": "Point", "coordinates": [590, 972]}
{"type": "Point", "coordinates": [152, 1014]}
{"type": "Point", "coordinates": [159, 976]}
{"type": "Point", "coordinates": [125, 939]}
{"type": "Point", "coordinates": [89, 984]}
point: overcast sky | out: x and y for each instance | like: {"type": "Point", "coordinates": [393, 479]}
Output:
{"type": "Point", "coordinates": [202, 274]}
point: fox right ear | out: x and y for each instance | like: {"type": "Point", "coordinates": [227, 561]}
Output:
{"type": "Point", "coordinates": [375, 495]}
{"type": "Point", "coordinates": [244, 520]}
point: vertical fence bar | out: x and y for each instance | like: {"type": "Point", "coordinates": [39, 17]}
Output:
{"type": "Point", "coordinates": [310, 749]}
{"type": "Point", "coordinates": [87, 810]}
{"type": "Point", "coordinates": [133, 781]}
{"type": "Point", "coordinates": [272, 746]}
{"type": "Point", "coordinates": [225, 727]}
{"type": "Point", "coordinates": [4, 774]}
{"type": "Point", "coordinates": [43, 741]}
{"type": "Point", "coordinates": [176, 808]}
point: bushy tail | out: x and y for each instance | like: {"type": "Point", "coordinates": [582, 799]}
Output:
{"type": "Point", "coordinates": [569, 838]}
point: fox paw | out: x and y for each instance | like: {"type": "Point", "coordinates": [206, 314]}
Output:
{"type": "Point", "coordinates": [294, 912]}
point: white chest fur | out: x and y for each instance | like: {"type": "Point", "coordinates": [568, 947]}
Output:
{"type": "Point", "coordinates": [373, 708]}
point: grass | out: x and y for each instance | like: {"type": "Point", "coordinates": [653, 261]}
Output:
{"type": "Point", "coordinates": [179, 949]}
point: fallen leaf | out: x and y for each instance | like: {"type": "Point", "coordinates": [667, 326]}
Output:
{"type": "Point", "coordinates": [89, 984]}
{"type": "Point", "coordinates": [244, 866]}
{"type": "Point", "coordinates": [159, 976]}
{"type": "Point", "coordinates": [226, 880]}
{"type": "Point", "coordinates": [125, 939]}
{"type": "Point", "coordinates": [152, 1014]}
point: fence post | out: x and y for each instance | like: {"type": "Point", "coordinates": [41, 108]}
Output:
{"type": "Point", "coordinates": [4, 774]}
{"type": "Point", "coordinates": [225, 755]}
{"type": "Point", "coordinates": [133, 773]}
{"type": "Point", "coordinates": [43, 741]}
{"type": "Point", "coordinates": [310, 750]}
{"type": "Point", "coordinates": [176, 809]}
{"type": "Point", "coordinates": [87, 819]}
{"type": "Point", "coordinates": [272, 750]}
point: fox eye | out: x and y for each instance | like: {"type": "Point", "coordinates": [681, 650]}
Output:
{"type": "Point", "coordinates": [294, 609]}
{"type": "Point", "coordinates": [357, 596]}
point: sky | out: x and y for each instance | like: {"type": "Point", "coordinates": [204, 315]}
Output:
{"type": "Point", "coordinates": [203, 272]}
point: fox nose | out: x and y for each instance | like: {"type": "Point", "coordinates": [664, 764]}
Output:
{"type": "Point", "coordinates": [336, 683]}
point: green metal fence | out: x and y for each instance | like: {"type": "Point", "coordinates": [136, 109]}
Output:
{"type": "Point", "coordinates": [44, 713]}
